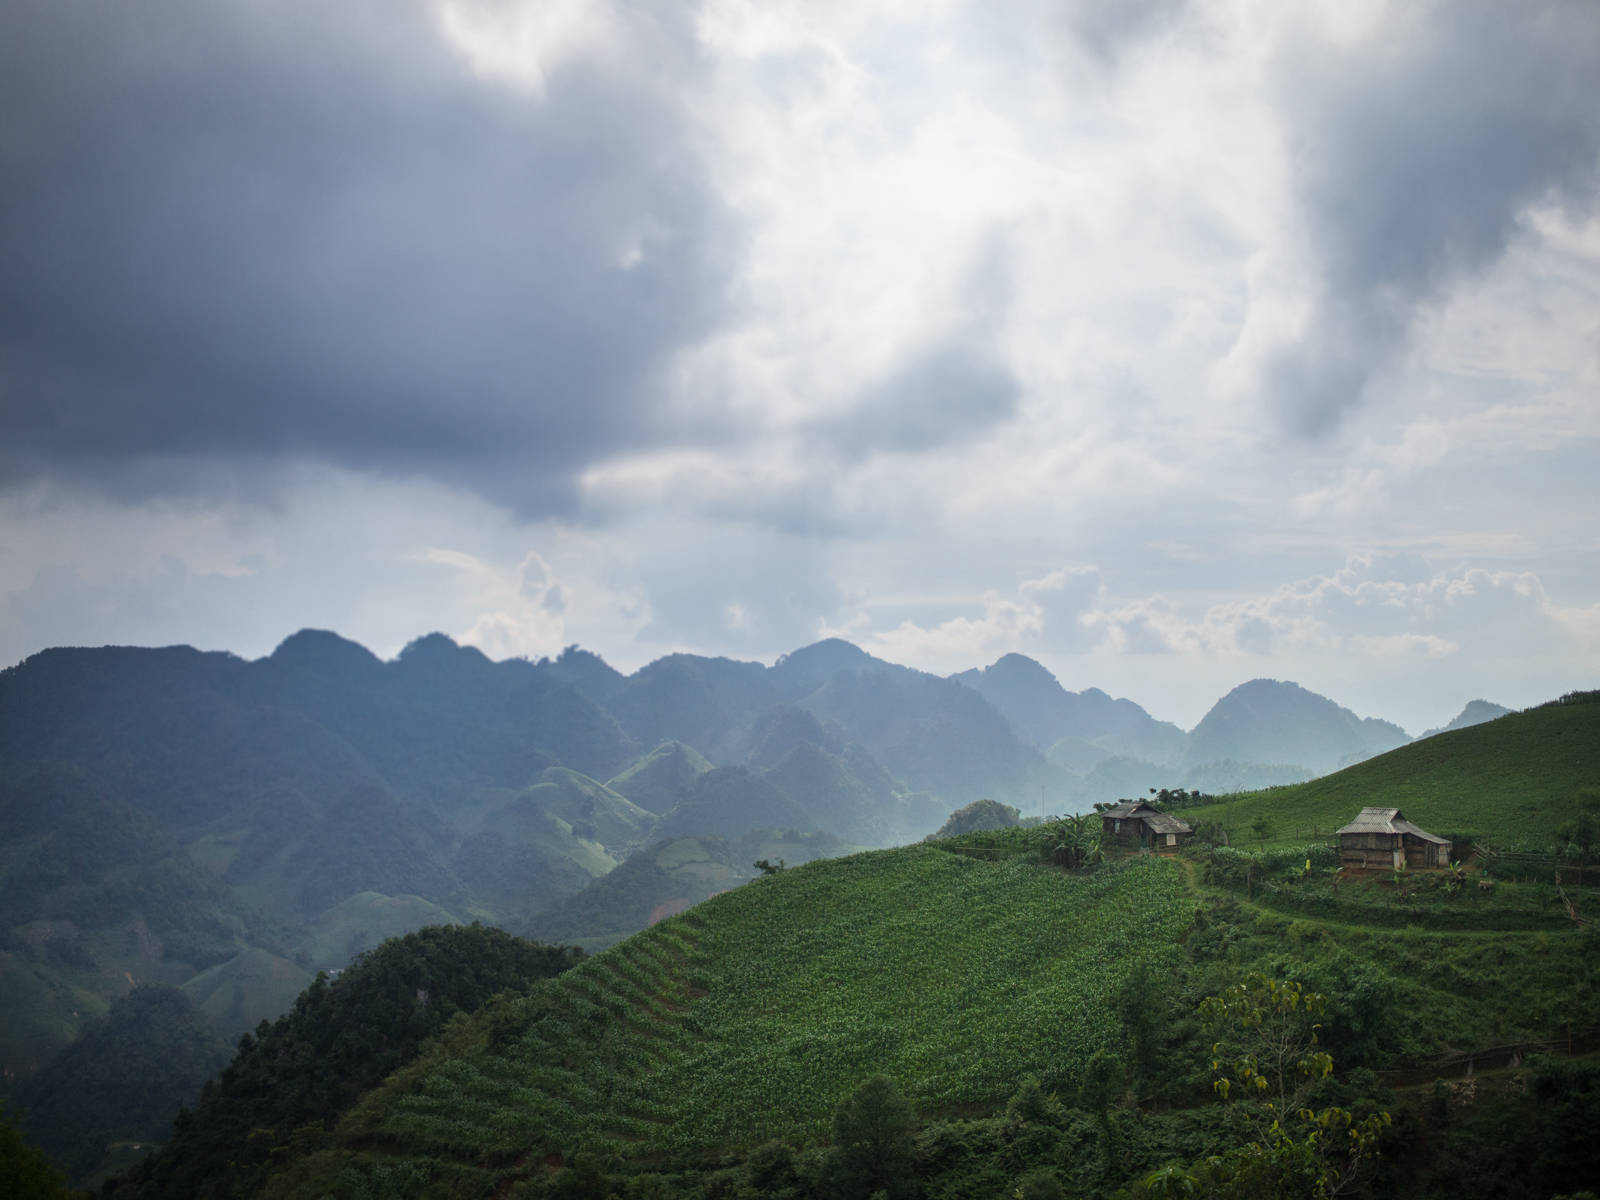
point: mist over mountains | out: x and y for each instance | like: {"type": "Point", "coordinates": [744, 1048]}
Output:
{"type": "Point", "coordinates": [227, 828]}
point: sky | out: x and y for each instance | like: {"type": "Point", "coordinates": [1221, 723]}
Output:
{"type": "Point", "coordinates": [1171, 343]}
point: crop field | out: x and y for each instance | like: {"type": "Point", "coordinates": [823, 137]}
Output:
{"type": "Point", "coordinates": [756, 1013]}
{"type": "Point", "coordinates": [753, 1015]}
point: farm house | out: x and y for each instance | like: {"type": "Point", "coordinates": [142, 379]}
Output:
{"type": "Point", "coordinates": [1137, 824]}
{"type": "Point", "coordinates": [1382, 839]}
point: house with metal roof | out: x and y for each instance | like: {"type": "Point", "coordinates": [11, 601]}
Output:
{"type": "Point", "coordinates": [1382, 839]}
{"type": "Point", "coordinates": [1140, 825]}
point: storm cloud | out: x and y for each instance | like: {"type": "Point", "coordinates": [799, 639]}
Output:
{"type": "Point", "coordinates": [257, 230]}
{"type": "Point", "coordinates": [1108, 333]}
{"type": "Point", "coordinates": [1417, 149]}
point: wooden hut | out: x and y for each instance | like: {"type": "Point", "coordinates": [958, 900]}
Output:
{"type": "Point", "coordinates": [1139, 825]}
{"type": "Point", "coordinates": [1381, 839]}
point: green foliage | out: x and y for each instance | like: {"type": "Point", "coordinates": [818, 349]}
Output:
{"type": "Point", "coordinates": [663, 1063]}
{"type": "Point", "coordinates": [289, 1082]}
{"type": "Point", "coordinates": [1267, 1053]}
{"type": "Point", "coordinates": [749, 1017]}
{"type": "Point", "coordinates": [25, 1170]}
{"type": "Point", "coordinates": [125, 1078]}
{"type": "Point", "coordinates": [872, 1141]}
{"type": "Point", "coordinates": [980, 814]}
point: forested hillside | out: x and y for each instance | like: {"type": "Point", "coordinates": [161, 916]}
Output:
{"type": "Point", "coordinates": [292, 1078]}
{"type": "Point", "coordinates": [193, 820]}
{"type": "Point", "coordinates": [1006, 1025]}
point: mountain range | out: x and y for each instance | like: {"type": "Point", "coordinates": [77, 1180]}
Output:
{"type": "Point", "coordinates": [968, 1017]}
{"type": "Point", "coordinates": [228, 828]}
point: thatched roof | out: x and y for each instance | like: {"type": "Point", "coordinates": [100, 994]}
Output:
{"type": "Point", "coordinates": [1388, 820]}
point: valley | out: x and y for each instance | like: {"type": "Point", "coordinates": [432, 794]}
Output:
{"type": "Point", "coordinates": [206, 835]}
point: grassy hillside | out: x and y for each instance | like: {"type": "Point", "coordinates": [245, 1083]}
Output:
{"type": "Point", "coordinates": [667, 878]}
{"type": "Point", "coordinates": [751, 1016]}
{"type": "Point", "coordinates": [959, 970]}
{"type": "Point", "coordinates": [252, 986]}
{"type": "Point", "coordinates": [360, 923]}
{"type": "Point", "coordinates": [340, 1038]}
{"type": "Point", "coordinates": [1511, 780]}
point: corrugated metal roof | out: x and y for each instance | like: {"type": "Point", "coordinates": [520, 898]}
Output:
{"type": "Point", "coordinates": [1417, 831]}
{"type": "Point", "coordinates": [1164, 822]}
{"type": "Point", "coordinates": [1374, 820]}
{"type": "Point", "coordinates": [1388, 820]}
{"type": "Point", "coordinates": [1143, 810]}
{"type": "Point", "coordinates": [1126, 809]}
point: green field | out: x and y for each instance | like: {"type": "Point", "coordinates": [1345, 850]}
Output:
{"type": "Point", "coordinates": [751, 1016]}
{"type": "Point", "coordinates": [1510, 781]}
{"type": "Point", "coordinates": [961, 968]}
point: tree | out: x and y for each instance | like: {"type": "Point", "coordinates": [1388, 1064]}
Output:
{"type": "Point", "coordinates": [25, 1170]}
{"type": "Point", "coordinates": [872, 1140]}
{"type": "Point", "coordinates": [1266, 1059]}
{"type": "Point", "coordinates": [979, 815]}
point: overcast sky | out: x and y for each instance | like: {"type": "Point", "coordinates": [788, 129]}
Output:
{"type": "Point", "coordinates": [1171, 344]}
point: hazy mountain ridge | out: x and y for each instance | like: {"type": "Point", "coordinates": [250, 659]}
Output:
{"type": "Point", "coordinates": [1045, 713]}
{"type": "Point", "coordinates": [1266, 720]}
{"type": "Point", "coordinates": [1476, 712]}
{"type": "Point", "coordinates": [758, 1015]}
{"type": "Point", "coordinates": [304, 805]}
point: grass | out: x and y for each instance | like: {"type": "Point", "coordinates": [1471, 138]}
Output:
{"type": "Point", "coordinates": [754, 1015]}
{"type": "Point", "coordinates": [958, 973]}
{"type": "Point", "coordinates": [1512, 780]}
{"type": "Point", "coordinates": [361, 922]}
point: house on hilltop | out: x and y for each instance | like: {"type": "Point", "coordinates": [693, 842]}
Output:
{"type": "Point", "coordinates": [1382, 839]}
{"type": "Point", "coordinates": [1140, 825]}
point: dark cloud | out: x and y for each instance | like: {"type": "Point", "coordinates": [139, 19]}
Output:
{"type": "Point", "coordinates": [1417, 151]}
{"type": "Point", "coordinates": [941, 395]}
{"type": "Point", "coordinates": [249, 232]}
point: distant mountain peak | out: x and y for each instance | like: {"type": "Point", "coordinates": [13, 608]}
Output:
{"type": "Point", "coordinates": [830, 654]}
{"type": "Point", "coordinates": [1278, 721]}
{"type": "Point", "coordinates": [434, 644]}
{"type": "Point", "coordinates": [322, 649]}
{"type": "Point", "coordinates": [1476, 712]}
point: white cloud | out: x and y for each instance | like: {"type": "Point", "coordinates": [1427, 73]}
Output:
{"type": "Point", "coordinates": [522, 42]}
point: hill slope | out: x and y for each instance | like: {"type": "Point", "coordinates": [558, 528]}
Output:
{"type": "Point", "coordinates": [340, 1038]}
{"type": "Point", "coordinates": [1509, 780]}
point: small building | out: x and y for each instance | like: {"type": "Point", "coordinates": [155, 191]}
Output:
{"type": "Point", "coordinates": [1140, 825]}
{"type": "Point", "coordinates": [1381, 839]}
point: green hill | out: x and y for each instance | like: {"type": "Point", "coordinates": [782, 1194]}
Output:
{"type": "Point", "coordinates": [959, 970]}
{"type": "Point", "coordinates": [1509, 781]}
{"type": "Point", "coordinates": [342, 1036]}
{"type": "Point", "coordinates": [96, 898]}
{"type": "Point", "coordinates": [250, 987]}
{"type": "Point", "coordinates": [716, 1050]}
{"type": "Point", "coordinates": [753, 1015]}
{"type": "Point", "coordinates": [126, 1077]}
{"type": "Point", "coordinates": [657, 781]}
{"type": "Point", "coordinates": [361, 922]}
{"type": "Point", "coordinates": [667, 878]}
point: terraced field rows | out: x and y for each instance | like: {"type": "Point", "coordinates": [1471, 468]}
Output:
{"type": "Point", "coordinates": [754, 1014]}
